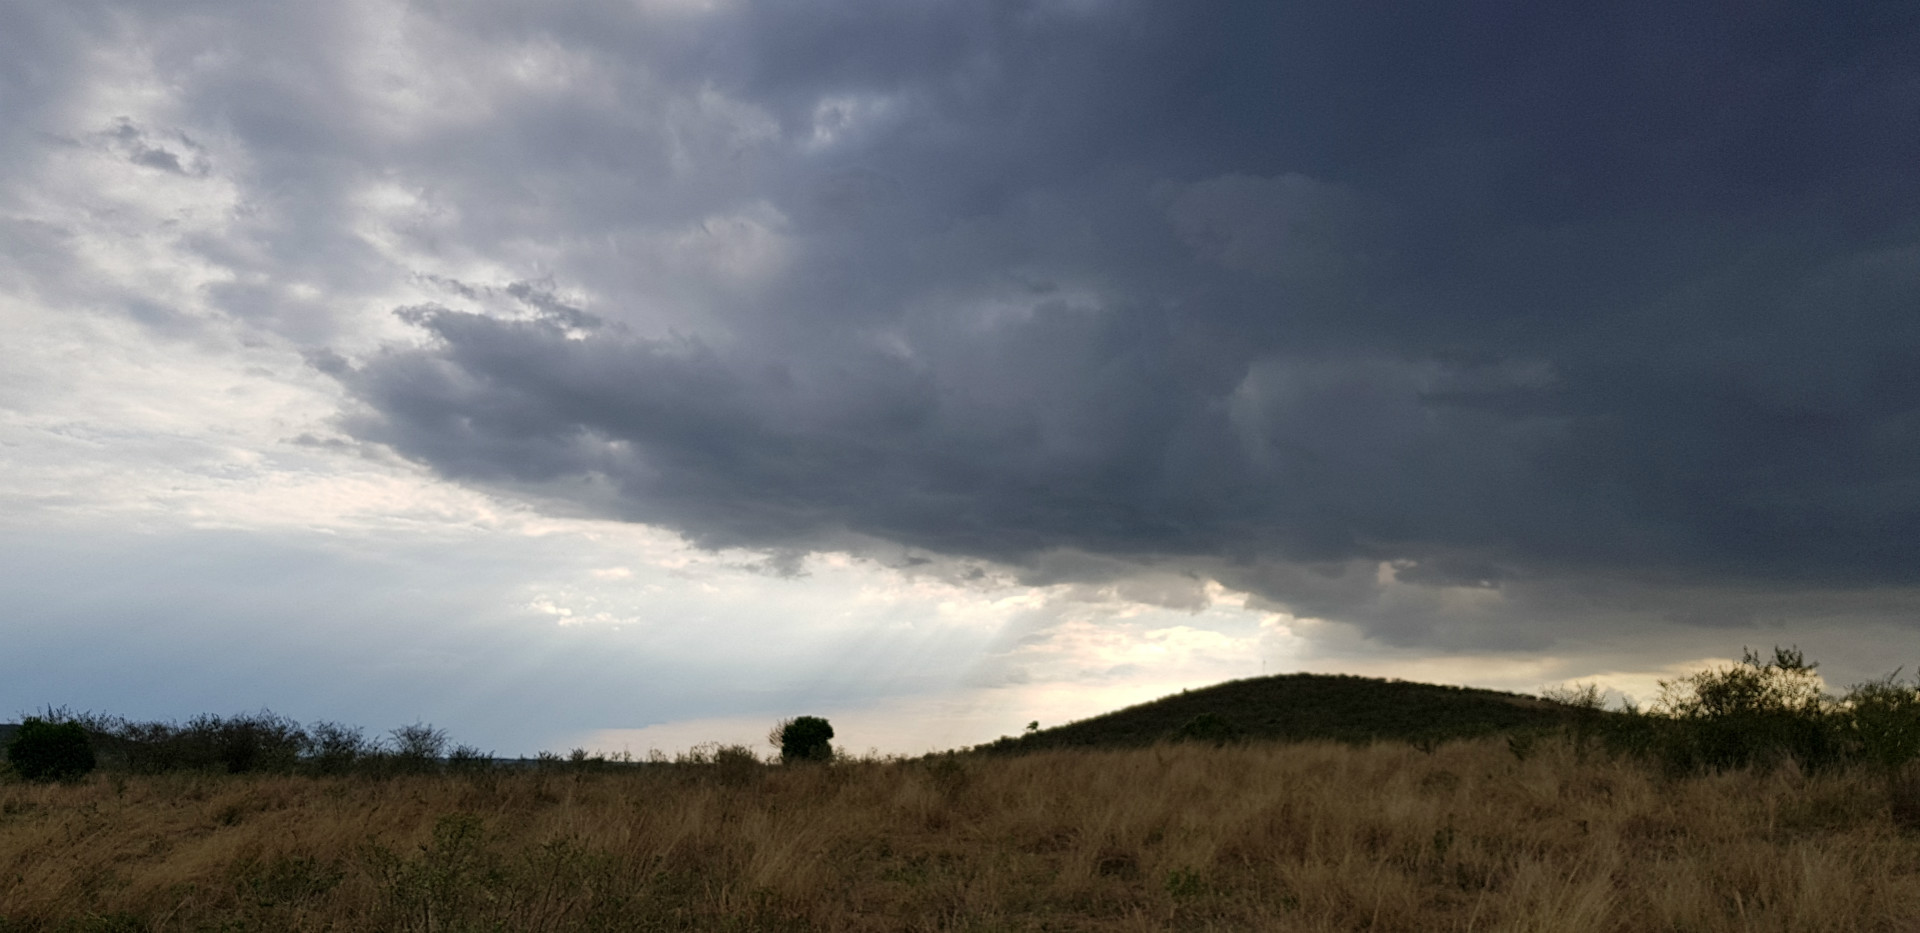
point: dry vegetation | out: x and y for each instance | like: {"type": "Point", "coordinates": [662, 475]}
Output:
{"type": "Point", "coordinates": [1468, 836]}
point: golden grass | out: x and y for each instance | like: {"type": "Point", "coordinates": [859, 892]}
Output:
{"type": "Point", "coordinates": [1300, 837]}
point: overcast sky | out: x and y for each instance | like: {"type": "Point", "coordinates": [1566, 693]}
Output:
{"type": "Point", "coordinates": [636, 373]}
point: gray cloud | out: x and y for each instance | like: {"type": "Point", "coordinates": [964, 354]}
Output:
{"type": "Point", "coordinates": [1501, 295]}
{"type": "Point", "coordinates": [1521, 299]}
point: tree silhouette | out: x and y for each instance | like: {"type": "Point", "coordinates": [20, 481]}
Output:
{"type": "Point", "coordinates": [803, 738]}
{"type": "Point", "coordinates": [50, 751]}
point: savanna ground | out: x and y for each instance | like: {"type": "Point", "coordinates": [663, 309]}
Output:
{"type": "Point", "coordinates": [1475, 835]}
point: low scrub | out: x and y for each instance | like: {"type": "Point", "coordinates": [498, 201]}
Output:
{"type": "Point", "coordinates": [256, 743]}
{"type": "Point", "coordinates": [1764, 713]}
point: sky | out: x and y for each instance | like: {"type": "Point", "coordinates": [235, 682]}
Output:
{"type": "Point", "coordinates": [632, 374]}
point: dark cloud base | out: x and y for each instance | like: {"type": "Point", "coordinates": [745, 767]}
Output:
{"type": "Point", "coordinates": [1500, 294]}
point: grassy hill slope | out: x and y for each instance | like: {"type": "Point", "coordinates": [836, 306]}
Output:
{"type": "Point", "coordinates": [1294, 707]}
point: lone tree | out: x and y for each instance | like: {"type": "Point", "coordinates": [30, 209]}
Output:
{"type": "Point", "coordinates": [50, 751]}
{"type": "Point", "coordinates": [803, 738]}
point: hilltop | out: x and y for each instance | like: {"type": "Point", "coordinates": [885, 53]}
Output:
{"type": "Point", "coordinates": [1295, 707]}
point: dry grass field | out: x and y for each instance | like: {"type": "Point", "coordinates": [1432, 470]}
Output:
{"type": "Point", "coordinates": [1466, 836]}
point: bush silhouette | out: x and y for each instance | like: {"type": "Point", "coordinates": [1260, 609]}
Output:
{"type": "Point", "coordinates": [1211, 728]}
{"type": "Point", "coordinates": [50, 751]}
{"type": "Point", "coordinates": [239, 744]}
{"type": "Point", "coordinates": [735, 765]}
{"type": "Point", "coordinates": [1883, 721]}
{"type": "Point", "coordinates": [334, 748]}
{"type": "Point", "coordinates": [247, 742]}
{"type": "Point", "coordinates": [417, 748]}
{"type": "Point", "coordinates": [468, 759]}
{"type": "Point", "coordinates": [1755, 714]}
{"type": "Point", "coordinates": [803, 738]}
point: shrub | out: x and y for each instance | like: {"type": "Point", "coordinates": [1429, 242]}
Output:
{"type": "Point", "coordinates": [247, 743]}
{"type": "Point", "coordinates": [50, 751]}
{"type": "Point", "coordinates": [334, 748]}
{"type": "Point", "coordinates": [730, 765]}
{"type": "Point", "coordinates": [803, 738]}
{"type": "Point", "coordinates": [468, 759]}
{"type": "Point", "coordinates": [238, 744]}
{"type": "Point", "coordinates": [1756, 713]}
{"type": "Point", "coordinates": [735, 765]}
{"type": "Point", "coordinates": [1211, 728]}
{"type": "Point", "coordinates": [1584, 697]}
{"type": "Point", "coordinates": [1883, 721]}
{"type": "Point", "coordinates": [1631, 732]}
{"type": "Point", "coordinates": [417, 748]}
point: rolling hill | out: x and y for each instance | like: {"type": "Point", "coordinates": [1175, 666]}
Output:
{"type": "Point", "coordinates": [1294, 707]}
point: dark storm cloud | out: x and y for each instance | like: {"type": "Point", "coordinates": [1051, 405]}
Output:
{"type": "Point", "coordinates": [1502, 292]}
{"type": "Point", "coordinates": [1495, 289]}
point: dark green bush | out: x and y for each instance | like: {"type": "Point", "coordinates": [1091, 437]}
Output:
{"type": "Point", "coordinates": [1883, 721]}
{"type": "Point", "coordinates": [736, 765]}
{"type": "Point", "coordinates": [1758, 713]}
{"type": "Point", "coordinates": [467, 759]}
{"type": "Point", "coordinates": [1630, 732]}
{"type": "Point", "coordinates": [729, 765]}
{"type": "Point", "coordinates": [1211, 728]}
{"type": "Point", "coordinates": [239, 744]}
{"type": "Point", "coordinates": [50, 751]}
{"type": "Point", "coordinates": [263, 742]}
{"type": "Point", "coordinates": [414, 749]}
{"type": "Point", "coordinates": [253, 742]}
{"type": "Point", "coordinates": [803, 738]}
{"type": "Point", "coordinates": [333, 748]}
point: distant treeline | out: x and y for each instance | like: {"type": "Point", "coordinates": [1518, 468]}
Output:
{"type": "Point", "coordinates": [265, 742]}
{"type": "Point", "coordinates": [268, 743]}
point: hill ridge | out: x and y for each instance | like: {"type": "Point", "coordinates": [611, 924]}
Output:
{"type": "Point", "coordinates": [1307, 706]}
